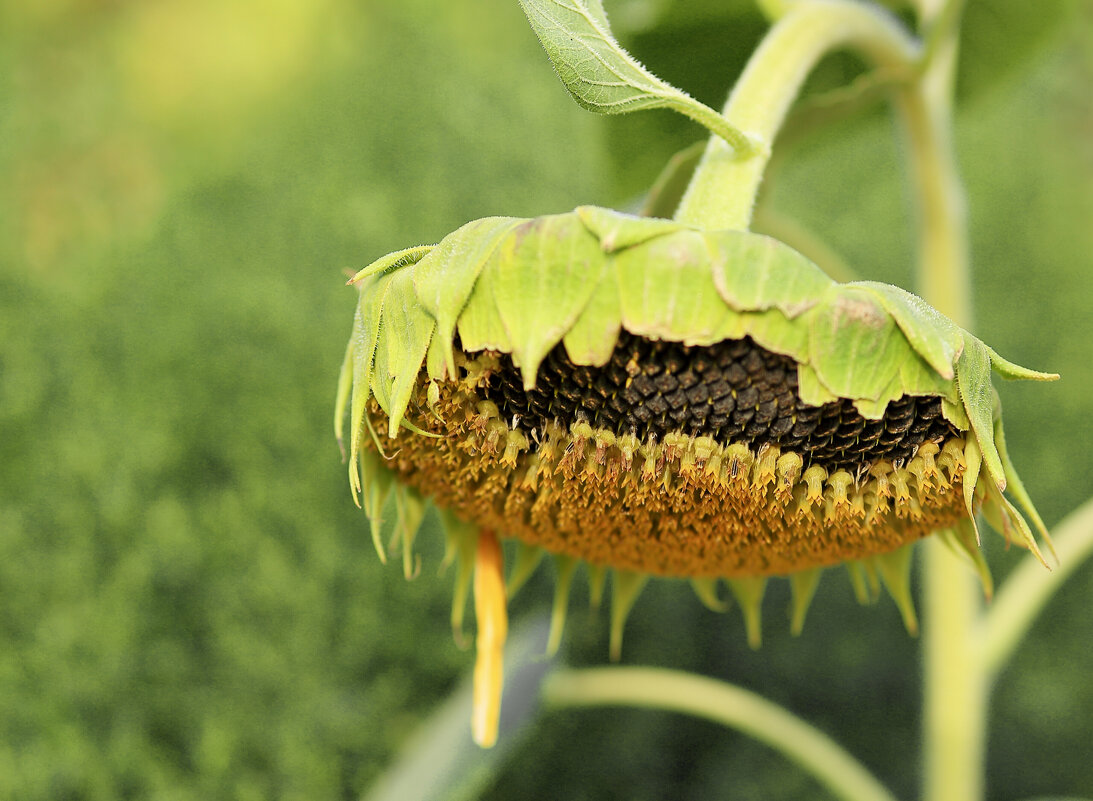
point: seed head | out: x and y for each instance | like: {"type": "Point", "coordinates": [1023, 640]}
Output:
{"type": "Point", "coordinates": [638, 395]}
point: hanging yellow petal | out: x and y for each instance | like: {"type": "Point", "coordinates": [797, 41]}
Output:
{"type": "Point", "coordinates": [491, 614]}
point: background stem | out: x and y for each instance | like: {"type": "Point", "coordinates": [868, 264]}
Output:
{"type": "Point", "coordinates": [954, 685]}
{"type": "Point", "coordinates": [723, 703]}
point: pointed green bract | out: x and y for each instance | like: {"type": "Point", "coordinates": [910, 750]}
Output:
{"type": "Point", "coordinates": [706, 590]}
{"type": "Point", "coordinates": [597, 579]}
{"type": "Point", "coordinates": [753, 272]}
{"type": "Point", "coordinates": [914, 371]}
{"type": "Point", "coordinates": [873, 408]}
{"type": "Point", "coordinates": [749, 594]}
{"type": "Point", "coordinates": [377, 482]}
{"type": "Point", "coordinates": [392, 262]}
{"type": "Point", "coordinates": [405, 352]}
{"type": "Point", "coordinates": [973, 461]}
{"type": "Point", "coordinates": [863, 579]}
{"type": "Point", "coordinates": [445, 278]}
{"type": "Point", "coordinates": [1014, 483]}
{"type": "Point", "coordinates": [953, 411]}
{"type": "Point", "coordinates": [527, 559]}
{"type": "Point", "coordinates": [409, 514]}
{"type": "Point", "coordinates": [341, 401]}
{"type": "Point", "coordinates": [1008, 369]}
{"type": "Point", "coordinates": [373, 315]}
{"type": "Point", "coordinates": [462, 541]}
{"type": "Point", "coordinates": [626, 586]}
{"type": "Point", "coordinates": [563, 580]}
{"type": "Point", "coordinates": [667, 292]}
{"type": "Point", "coordinates": [542, 277]}
{"type": "Point", "coordinates": [935, 337]}
{"type": "Point", "coordinates": [618, 231]}
{"type": "Point", "coordinates": [366, 324]}
{"type": "Point", "coordinates": [973, 376]}
{"type": "Point", "coordinates": [803, 586]}
{"type": "Point", "coordinates": [773, 330]}
{"type": "Point", "coordinates": [895, 571]}
{"type": "Point", "coordinates": [436, 357]}
{"type": "Point", "coordinates": [811, 388]}
{"type": "Point", "coordinates": [854, 346]}
{"type": "Point", "coordinates": [961, 540]}
{"type": "Point", "coordinates": [480, 326]}
{"type": "Point", "coordinates": [593, 336]}
{"type": "Point", "coordinates": [1004, 517]}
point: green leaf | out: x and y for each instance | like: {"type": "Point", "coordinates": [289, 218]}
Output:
{"type": "Point", "coordinates": [341, 401]}
{"type": "Point", "coordinates": [604, 78]}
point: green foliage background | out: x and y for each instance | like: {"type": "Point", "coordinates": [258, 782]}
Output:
{"type": "Point", "coordinates": [190, 607]}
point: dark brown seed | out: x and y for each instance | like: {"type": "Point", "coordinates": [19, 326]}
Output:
{"type": "Point", "coordinates": [734, 391]}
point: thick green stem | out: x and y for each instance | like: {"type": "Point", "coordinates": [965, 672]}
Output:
{"type": "Point", "coordinates": [722, 193]}
{"type": "Point", "coordinates": [954, 684]}
{"type": "Point", "coordinates": [723, 703]}
{"type": "Point", "coordinates": [944, 277]}
{"type": "Point", "coordinates": [954, 687]}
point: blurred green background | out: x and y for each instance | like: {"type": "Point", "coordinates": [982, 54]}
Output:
{"type": "Point", "coordinates": [190, 607]}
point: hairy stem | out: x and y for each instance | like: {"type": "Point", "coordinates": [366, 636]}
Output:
{"type": "Point", "coordinates": [722, 193]}
{"type": "Point", "coordinates": [723, 703]}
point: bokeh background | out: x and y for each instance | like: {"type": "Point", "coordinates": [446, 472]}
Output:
{"type": "Point", "coordinates": [190, 607]}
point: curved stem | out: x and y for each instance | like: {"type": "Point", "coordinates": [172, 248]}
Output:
{"type": "Point", "coordinates": [944, 277]}
{"type": "Point", "coordinates": [722, 703]}
{"type": "Point", "coordinates": [1030, 587]}
{"type": "Point", "coordinates": [722, 192]}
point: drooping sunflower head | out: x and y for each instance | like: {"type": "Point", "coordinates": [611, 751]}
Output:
{"type": "Point", "coordinates": [654, 399]}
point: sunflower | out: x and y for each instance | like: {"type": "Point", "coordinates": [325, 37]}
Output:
{"type": "Point", "coordinates": [653, 399]}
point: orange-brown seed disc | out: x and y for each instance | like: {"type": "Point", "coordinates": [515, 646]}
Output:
{"type": "Point", "coordinates": [685, 506]}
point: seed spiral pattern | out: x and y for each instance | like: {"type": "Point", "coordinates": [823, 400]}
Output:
{"type": "Point", "coordinates": [734, 391]}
